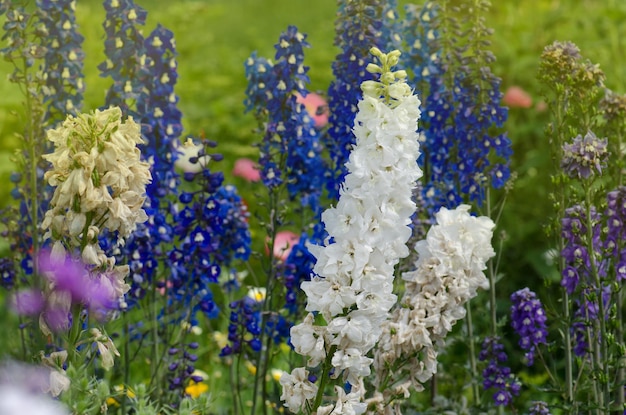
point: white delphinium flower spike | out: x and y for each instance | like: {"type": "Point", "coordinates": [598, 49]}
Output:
{"type": "Point", "coordinates": [368, 229]}
{"type": "Point", "coordinates": [448, 272]}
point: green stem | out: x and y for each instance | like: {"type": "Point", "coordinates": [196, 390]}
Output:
{"type": "Point", "coordinates": [602, 353]}
{"type": "Point", "coordinates": [472, 354]}
{"type": "Point", "coordinates": [324, 378]}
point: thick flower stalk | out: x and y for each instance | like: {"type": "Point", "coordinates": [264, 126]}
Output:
{"type": "Point", "coordinates": [448, 272]}
{"type": "Point", "coordinates": [368, 229]}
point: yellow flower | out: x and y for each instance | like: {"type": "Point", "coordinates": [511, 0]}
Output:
{"type": "Point", "coordinates": [196, 389]}
{"type": "Point", "coordinates": [221, 339]}
{"type": "Point", "coordinates": [119, 390]}
{"type": "Point", "coordinates": [276, 374]}
{"type": "Point", "coordinates": [251, 368]}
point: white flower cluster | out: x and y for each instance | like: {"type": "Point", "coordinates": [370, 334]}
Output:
{"type": "Point", "coordinates": [368, 230]}
{"type": "Point", "coordinates": [100, 181]}
{"type": "Point", "coordinates": [449, 270]}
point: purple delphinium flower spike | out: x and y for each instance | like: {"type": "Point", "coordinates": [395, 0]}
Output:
{"type": "Point", "coordinates": [528, 319]}
{"type": "Point", "coordinates": [496, 375]}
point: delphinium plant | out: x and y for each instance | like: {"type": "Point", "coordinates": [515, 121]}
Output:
{"type": "Point", "coordinates": [196, 225]}
{"type": "Point", "coordinates": [585, 139]}
{"type": "Point", "coordinates": [44, 47]}
{"type": "Point", "coordinates": [293, 172]}
{"type": "Point", "coordinates": [466, 152]}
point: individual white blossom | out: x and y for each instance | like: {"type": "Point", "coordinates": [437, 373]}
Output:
{"type": "Point", "coordinates": [106, 348]}
{"type": "Point", "coordinates": [352, 285]}
{"type": "Point", "coordinates": [448, 272]}
{"type": "Point", "coordinates": [297, 389]}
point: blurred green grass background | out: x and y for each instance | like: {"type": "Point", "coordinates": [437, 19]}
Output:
{"type": "Point", "coordinates": [214, 37]}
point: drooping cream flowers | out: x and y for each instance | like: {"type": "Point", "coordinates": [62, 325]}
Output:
{"type": "Point", "coordinates": [100, 181]}
{"type": "Point", "coordinates": [368, 230]}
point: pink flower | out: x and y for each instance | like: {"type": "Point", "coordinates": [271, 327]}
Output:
{"type": "Point", "coordinates": [316, 106]}
{"type": "Point", "coordinates": [247, 169]}
{"type": "Point", "coordinates": [285, 240]}
{"type": "Point", "coordinates": [516, 97]}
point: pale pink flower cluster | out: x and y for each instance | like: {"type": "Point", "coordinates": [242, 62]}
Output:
{"type": "Point", "coordinates": [448, 272]}
{"type": "Point", "coordinates": [368, 230]}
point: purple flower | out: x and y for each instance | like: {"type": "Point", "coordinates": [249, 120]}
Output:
{"type": "Point", "coordinates": [575, 252]}
{"type": "Point", "coordinates": [528, 319]}
{"type": "Point", "coordinates": [496, 375]}
{"type": "Point", "coordinates": [539, 408]}
{"type": "Point", "coordinates": [68, 276]}
{"type": "Point", "coordinates": [27, 302]}
{"type": "Point", "coordinates": [583, 155]}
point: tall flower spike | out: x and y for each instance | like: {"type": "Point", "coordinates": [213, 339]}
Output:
{"type": "Point", "coordinates": [368, 229]}
{"type": "Point", "coordinates": [448, 273]}
{"type": "Point", "coordinates": [528, 319]}
{"type": "Point", "coordinates": [464, 153]}
{"type": "Point", "coordinates": [291, 151]}
{"type": "Point", "coordinates": [64, 58]}
{"type": "Point", "coordinates": [125, 52]}
{"type": "Point", "coordinates": [358, 27]}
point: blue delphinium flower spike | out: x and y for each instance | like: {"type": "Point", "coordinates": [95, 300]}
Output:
{"type": "Point", "coordinates": [64, 57]}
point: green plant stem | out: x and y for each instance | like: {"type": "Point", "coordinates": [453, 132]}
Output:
{"type": "Point", "coordinates": [472, 354]}
{"type": "Point", "coordinates": [620, 335]}
{"type": "Point", "coordinates": [324, 378]}
{"type": "Point", "coordinates": [263, 356]}
{"type": "Point", "coordinates": [601, 355]}
{"type": "Point", "coordinates": [126, 360]}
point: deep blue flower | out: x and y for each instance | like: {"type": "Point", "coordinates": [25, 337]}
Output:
{"type": "Point", "coordinates": [290, 152]}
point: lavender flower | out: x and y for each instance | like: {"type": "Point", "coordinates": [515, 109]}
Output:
{"type": "Point", "coordinates": [528, 319]}
{"type": "Point", "coordinates": [575, 251]}
{"type": "Point", "coordinates": [539, 408]}
{"type": "Point", "coordinates": [584, 155]}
